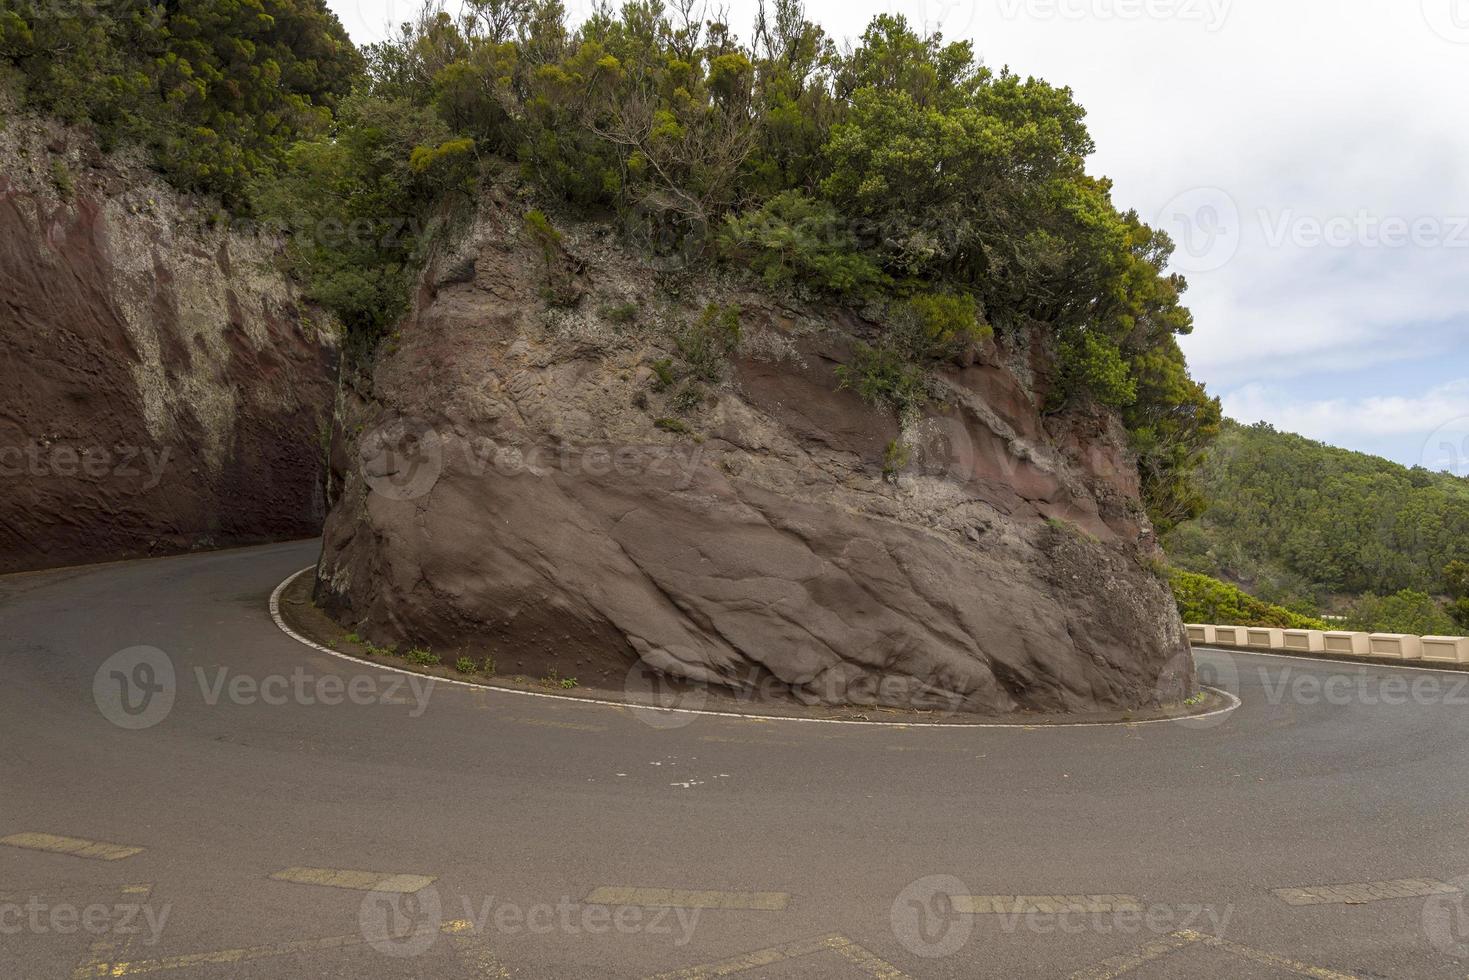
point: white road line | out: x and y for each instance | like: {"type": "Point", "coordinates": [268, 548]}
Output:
{"type": "Point", "coordinates": [275, 614]}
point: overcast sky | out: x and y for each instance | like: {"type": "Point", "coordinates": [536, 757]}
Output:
{"type": "Point", "coordinates": [1309, 157]}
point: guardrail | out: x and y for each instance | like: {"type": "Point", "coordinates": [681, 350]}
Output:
{"type": "Point", "coordinates": [1341, 643]}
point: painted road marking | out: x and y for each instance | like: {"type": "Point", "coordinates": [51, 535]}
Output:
{"type": "Point", "coordinates": [367, 881]}
{"type": "Point", "coordinates": [75, 846]}
{"type": "Point", "coordinates": [679, 898]}
{"type": "Point", "coordinates": [192, 961]}
{"type": "Point", "coordinates": [1117, 966]}
{"type": "Point", "coordinates": [834, 942]}
{"type": "Point", "coordinates": [107, 950]}
{"type": "Point", "coordinates": [1361, 893]}
{"type": "Point", "coordinates": [1026, 904]}
{"type": "Point", "coordinates": [568, 725]}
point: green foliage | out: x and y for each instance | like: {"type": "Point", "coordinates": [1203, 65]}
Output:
{"type": "Point", "coordinates": [354, 206]}
{"type": "Point", "coordinates": [885, 378]}
{"type": "Point", "coordinates": [1202, 599]}
{"type": "Point", "coordinates": [1406, 611]}
{"type": "Point", "coordinates": [677, 426]}
{"type": "Point", "coordinates": [465, 665]}
{"type": "Point", "coordinates": [621, 313]}
{"type": "Point", "coordinates": [217, 90]}
{"type": "Point", "coordinates": [705, 345]}
{"type": "Point", "coordinates": [61, 179]}
{"type": "Point", "coordinates": [1298, 517]}
{"type": "Point", "coordinates": [894, 458]}
{"type": "Point", "coordinates": [663, 376]}
{"type": "Point", "coordinates": [944, 324]}
{"type": "Point", "coordinates": [422, 657]}
{"type": "Point", "coordinates": [796, 239]}
{"type": "Point", "coordinates": [487, 666]}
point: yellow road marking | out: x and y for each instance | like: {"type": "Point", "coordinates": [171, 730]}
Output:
{"type": "Point", "coordinates": [1267, 959]}
{"type": "Point", "coordinates": [1025, 904]}
{"type": "Point", "coordinates": [1361, 893]}
{"type": "Point", "coordinates": [833, 942]}
{"type": "Point", "coordinates": [75, 846]}
{"type": "Point", "coordinates": [1117, 966]}
{"type": "Point", "coordinates": [367, 881]}
{"type": "Point", "coordinates": [678, 898]}
{"type": "Point", "coordinates": [743, 741]}
{"type": "Point", "coordinates": [190, 961]}
{"type": "Point", "coordinates": [105, 951]}
{"type": "Point", "coordinates": [568, 725]}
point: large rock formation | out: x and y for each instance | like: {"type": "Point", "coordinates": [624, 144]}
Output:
{"type": "Point", "coordinates": [161, 387]}
{"type": "Point", "coordinates": [518, 481]}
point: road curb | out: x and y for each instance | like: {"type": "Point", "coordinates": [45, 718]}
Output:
{"type": "Point", "coordinates": [275, 614]}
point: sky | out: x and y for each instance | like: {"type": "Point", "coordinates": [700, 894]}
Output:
{"type": "Point", "coordinates": [1310, 159]}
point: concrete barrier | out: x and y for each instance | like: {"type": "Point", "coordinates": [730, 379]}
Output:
{"type": "Point", "coordinates": [1341, 643]}
{"type": "Point", "coordinates": [1309, 641]}
{"type": "Point", "coordinates": [1398, 646]}
{"type": "Point", "coordinates": [1200, 634]}
{"type": "Point", "coordinates": [1347, 644]}
{"type": "Point", "coordinates": [1265, 638]}
{"type": "Point", "coordinates": [1446, 649]}
{"type": "Point", "coordinates": [1229, 636]}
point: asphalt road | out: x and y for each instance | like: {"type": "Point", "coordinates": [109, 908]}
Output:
{"type": "Point", "coordinates": [816, 850]}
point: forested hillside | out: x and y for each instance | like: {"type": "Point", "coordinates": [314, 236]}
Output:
{"type": "Point", "coordinates": [1306, 524]}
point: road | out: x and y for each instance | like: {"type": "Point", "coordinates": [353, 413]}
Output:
{"type": "Point", "coordinates": [476, 826]}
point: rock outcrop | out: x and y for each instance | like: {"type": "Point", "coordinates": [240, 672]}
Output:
{"type": "Point", "coordinates": [520, 480]}
{"type": "Point", "coordinates": [161, 386]}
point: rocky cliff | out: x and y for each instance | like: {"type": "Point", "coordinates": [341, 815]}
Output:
{"type": "Point", "coordinates": [525, 476]}
{"type": "Point", "coordinates": [161, 386]}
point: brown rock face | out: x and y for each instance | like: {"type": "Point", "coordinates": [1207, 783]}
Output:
{"type": "Point", "coordinates": [160, 388]}
{"type": "Point", "coordinates": [524, 486]}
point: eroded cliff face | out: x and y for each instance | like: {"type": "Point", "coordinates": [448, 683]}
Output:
{"type": "Point", "coordinates": [161, 386]}
{"type": "Point", "coordinates": [518, 482]}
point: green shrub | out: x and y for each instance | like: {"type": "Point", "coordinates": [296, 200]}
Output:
{"type": "Point", "coordinates": [464, 665]}
{"type": "Point", "coordinates": [1407, 611]}
{"type": "Point", "coordinates": [884, 378]}
{"type": "Point", "coordinates": [941, 324]}
{"type": "Point", "coordinates": [706, 344]}
{"type": "Point", "coordinates": [795, 238]}
{"type": "Point", "coordinates": [422, 657]}
{"type": "Point", "coordinates": [1202, 599]}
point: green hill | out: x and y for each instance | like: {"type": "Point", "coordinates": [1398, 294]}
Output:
{"type": "Point", "coordinates": [1304, 524]}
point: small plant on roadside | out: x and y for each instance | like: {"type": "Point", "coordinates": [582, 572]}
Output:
{"type": "Point", "coordinates": [422, 657]}
{"type": "Point", "coordinates": [487, 666]}
{"type": "Point", "coordinates": [553, 678]}
{"type": "Point", "coordinates": [464, 665]}
{"type": "Point", "coordinates": [352, 638]}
